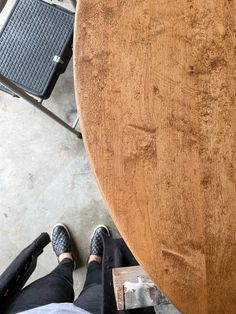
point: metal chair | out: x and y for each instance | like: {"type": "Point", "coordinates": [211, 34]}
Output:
{"type": "Point", "coordinates": [35, 48]}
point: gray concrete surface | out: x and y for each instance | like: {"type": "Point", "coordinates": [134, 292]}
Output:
{"type": "Point", "coordinates": [45, 178]}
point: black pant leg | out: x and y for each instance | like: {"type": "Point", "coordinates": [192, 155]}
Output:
{"type": "Point", "coordinates": [90, 299]}
{"type": "Point", "coordinates": [94, 275]}
{"type": "Point", "coordinates": [56, 287]}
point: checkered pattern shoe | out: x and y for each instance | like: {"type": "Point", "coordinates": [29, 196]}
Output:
{"type": "Point", "coordinates": [96, 245]}
{"type": "Point", "coordinates": [60, 238]}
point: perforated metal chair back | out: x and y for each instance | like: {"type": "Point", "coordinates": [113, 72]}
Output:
{"type": "Point", "coordinates": [35, 45]}
{"type": "Point", "coordinates": [35, 48]}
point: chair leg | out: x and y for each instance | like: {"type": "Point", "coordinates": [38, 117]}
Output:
{"type": "Point", "coordinates": [38, 104]}
{"type": "Point", "coordinates": [56, 118]}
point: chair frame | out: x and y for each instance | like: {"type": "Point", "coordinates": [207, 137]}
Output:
{"type": "Point", "coordinates": [38, 104]}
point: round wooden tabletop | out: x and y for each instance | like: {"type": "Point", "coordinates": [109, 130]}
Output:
{"type": "Point", "coordinates": [155, 87]}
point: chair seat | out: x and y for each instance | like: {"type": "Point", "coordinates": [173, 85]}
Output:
{"type": "Point", "coordinates": [35, 37]}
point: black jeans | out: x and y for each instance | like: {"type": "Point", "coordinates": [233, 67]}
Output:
{"type": "Point", "coordinates": [57, 287]}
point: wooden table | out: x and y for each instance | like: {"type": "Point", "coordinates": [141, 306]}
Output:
{"type": "Point", "coordinates": [155, 87]}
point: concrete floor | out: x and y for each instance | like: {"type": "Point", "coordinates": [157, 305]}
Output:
{"type": "Point", "coordinates": [45, 178]}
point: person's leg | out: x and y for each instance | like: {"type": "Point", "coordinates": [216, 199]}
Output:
{"type": "Point", "coordinates": [56, 287]}
{"type": "Point", "coordinates": [90, 298]}
{"type": "Point", "coordinates": [94, 275]}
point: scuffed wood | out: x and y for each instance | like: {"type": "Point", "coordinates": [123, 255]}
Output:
{"type": "Point", "coordinates": [155, 88]}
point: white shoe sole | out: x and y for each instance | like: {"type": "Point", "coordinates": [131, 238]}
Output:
{"type": "Point", "coordinates": [108, 231]}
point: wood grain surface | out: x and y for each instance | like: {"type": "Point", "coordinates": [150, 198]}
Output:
{"type": "Point", "coordinates": [155, 88]}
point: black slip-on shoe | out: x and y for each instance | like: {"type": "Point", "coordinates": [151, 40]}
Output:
{"type": "Point", "coordinates": [96, 245]}
{"type": "Point", "coordinates": [60, 237]}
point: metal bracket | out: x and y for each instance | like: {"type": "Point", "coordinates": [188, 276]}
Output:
{"type": "Point", "coordinates": [58, 59]}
